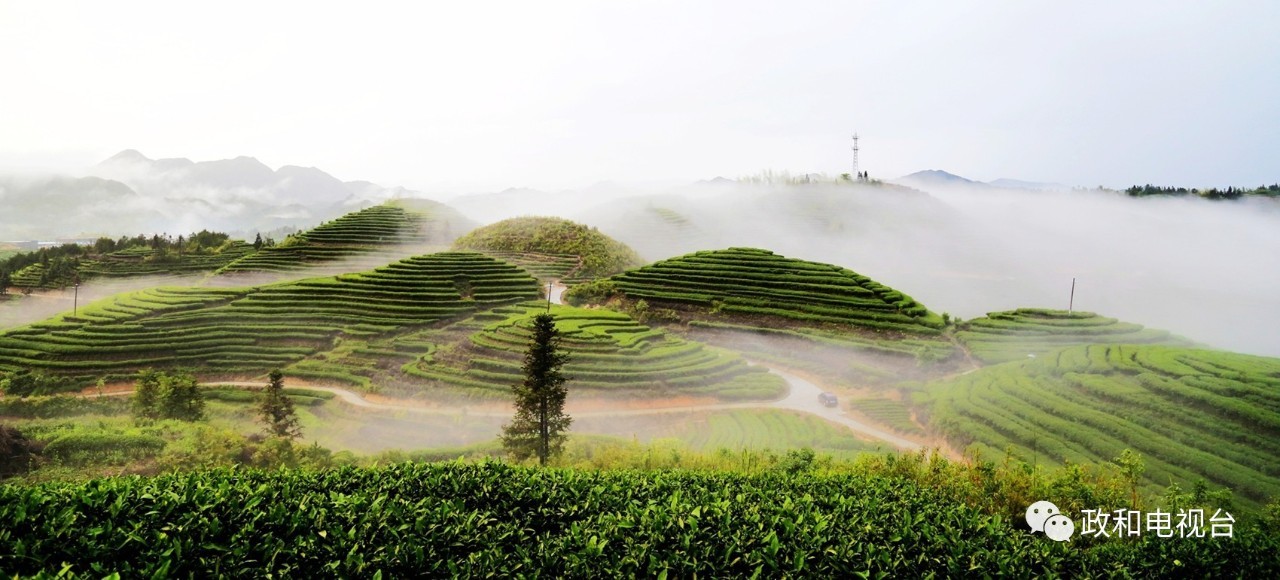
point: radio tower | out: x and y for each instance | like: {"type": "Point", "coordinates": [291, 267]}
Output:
{"type": "Point", "coordinates": [855, 173]}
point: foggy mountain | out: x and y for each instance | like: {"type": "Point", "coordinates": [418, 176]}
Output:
{"type": "Point", "coordinates": [130, 193]}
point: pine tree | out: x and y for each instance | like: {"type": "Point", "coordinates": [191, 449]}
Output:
{"type": "Point", "coordinates": [277, 409]}
{"type": "Point", "coordinates": [257, 242]}
{"type": "Point", "coordinates": [537, 429]}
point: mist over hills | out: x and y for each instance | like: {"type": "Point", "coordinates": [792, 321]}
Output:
{"type": "Point", "coordinates": [1191, 266]}
{"type": "Point", "coordinates": [130, 193]}
{"type": "Point", "coordinates": [939, 178]}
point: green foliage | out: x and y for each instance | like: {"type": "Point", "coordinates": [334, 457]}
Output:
{"type": "Point", "coordinates": [593, 292]}
{"type": "Point", "coordinates": [1189, 413]}
{"type": "Point", "coordinates": [491, 519]}
{"type": "Point", "coordinates": [69, 264]}
{"type": "Point", "coordinates": [1272, 190]}
{"type": "Point", "coordinates": [600, 255]}
{"type": "Point", "coordinates": [276, 409]}
{"type": "Point", "coordinates": [1132, 466]}
{"type": "Point", "coordinates": [49, 407]}
{"type": "Point", "coordinates": [79, 448]}
{"type": "Point", "coordinates": [147, 395]}
{"type": "Point", "coordinates": [538, 427]}
{"type": "Point", "coordinates": [766, 429]}
{"type": "Point", "coordinates": [182, 398]}
{"type": "Point", "coordinates": [160, 395]}
{"type": "Point", "coordinates": [27, 383]}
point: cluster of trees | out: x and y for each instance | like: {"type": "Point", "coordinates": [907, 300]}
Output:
{"type": "Point", "coordinates": [60, 264]}
{"type": "Point", "coordinates": [160, 395]}
{"type": "Point", "coordinates": [27, 383]}
{"type": "Point", "coordinates": [1211, 193]}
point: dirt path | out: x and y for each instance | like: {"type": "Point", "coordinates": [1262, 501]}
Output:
{"type": "Point", "coordinates": [802, 396]}
{"type": "Point", "coordinates": [557, 292]}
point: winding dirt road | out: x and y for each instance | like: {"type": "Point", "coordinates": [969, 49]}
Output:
{"type": "Point", "coordinates": [802, 396]}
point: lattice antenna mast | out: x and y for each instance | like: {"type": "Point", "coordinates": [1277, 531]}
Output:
{"type": "Point", "coordinates": [855, 173]}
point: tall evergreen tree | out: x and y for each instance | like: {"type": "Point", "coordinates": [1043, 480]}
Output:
{"type": "Point", "coordinates": [277, 410]}
{"type": "Point", "coordinates": [537, 429]}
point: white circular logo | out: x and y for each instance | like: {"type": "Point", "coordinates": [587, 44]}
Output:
{"type": "Point", "coordinates": [1039, 512]}
{"type": "Point", "coordinates": [1059, 528]}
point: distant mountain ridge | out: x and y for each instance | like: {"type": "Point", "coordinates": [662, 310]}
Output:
{"type": "Point", "coordinates": [938, 177]}
{"type": "Point", "coordinates": [130, 193]}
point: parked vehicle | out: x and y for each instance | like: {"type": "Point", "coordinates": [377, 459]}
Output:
{"type": "Point", "coordinates": [828, 400]}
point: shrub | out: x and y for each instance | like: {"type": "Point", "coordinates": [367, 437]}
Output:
{"type": "Point", "coordinates": [17, 453]}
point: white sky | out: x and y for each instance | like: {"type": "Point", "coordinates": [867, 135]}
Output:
{"type": "Point", "coordinates": [443, 96]}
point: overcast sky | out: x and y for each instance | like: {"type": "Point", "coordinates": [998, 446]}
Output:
{"type": "Point", "coordinates": [551, 94]}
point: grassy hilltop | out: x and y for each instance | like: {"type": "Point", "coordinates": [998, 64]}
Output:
{"type": "Point", "coordinates": [552, 247]}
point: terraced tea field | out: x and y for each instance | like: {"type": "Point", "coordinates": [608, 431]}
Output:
{"type": "Point", "coordinates": [1012, 335]}
{"type": "Point", "coordinates": [563, 267]}
{"type": "Point", "coordinates": [255, 329]}
{"type": "Point", "coordinates": [609, 353]}
{"type": "Point", "coordinates": [1191, 413]}
{"type": "Point", "coordinates": [372, 236]}
{"type": "Point", "coordinates": [773, 290]}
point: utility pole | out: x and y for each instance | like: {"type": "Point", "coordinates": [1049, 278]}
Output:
{"type": "Point", "coordinates": [75, 302]}
{"type": "Point", "coordinates": [855, 174]}
{"type": "Point", "coordinates": [549, 285]}
{"type": "Point", "coordinates": [1072, 302]}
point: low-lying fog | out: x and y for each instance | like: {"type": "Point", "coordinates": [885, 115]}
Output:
{"type": "Point", "coordinates": [1203, 269]}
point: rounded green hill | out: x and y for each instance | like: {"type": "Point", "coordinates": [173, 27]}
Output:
{"type": "Point", "coordinates": [413, 224]}
{"type": "Point", "coordinates": [1015, 334]}
{"type": "Point", "coordinates": [552, 247]}
{"type": "Point", "coordinates": [765, 289]}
